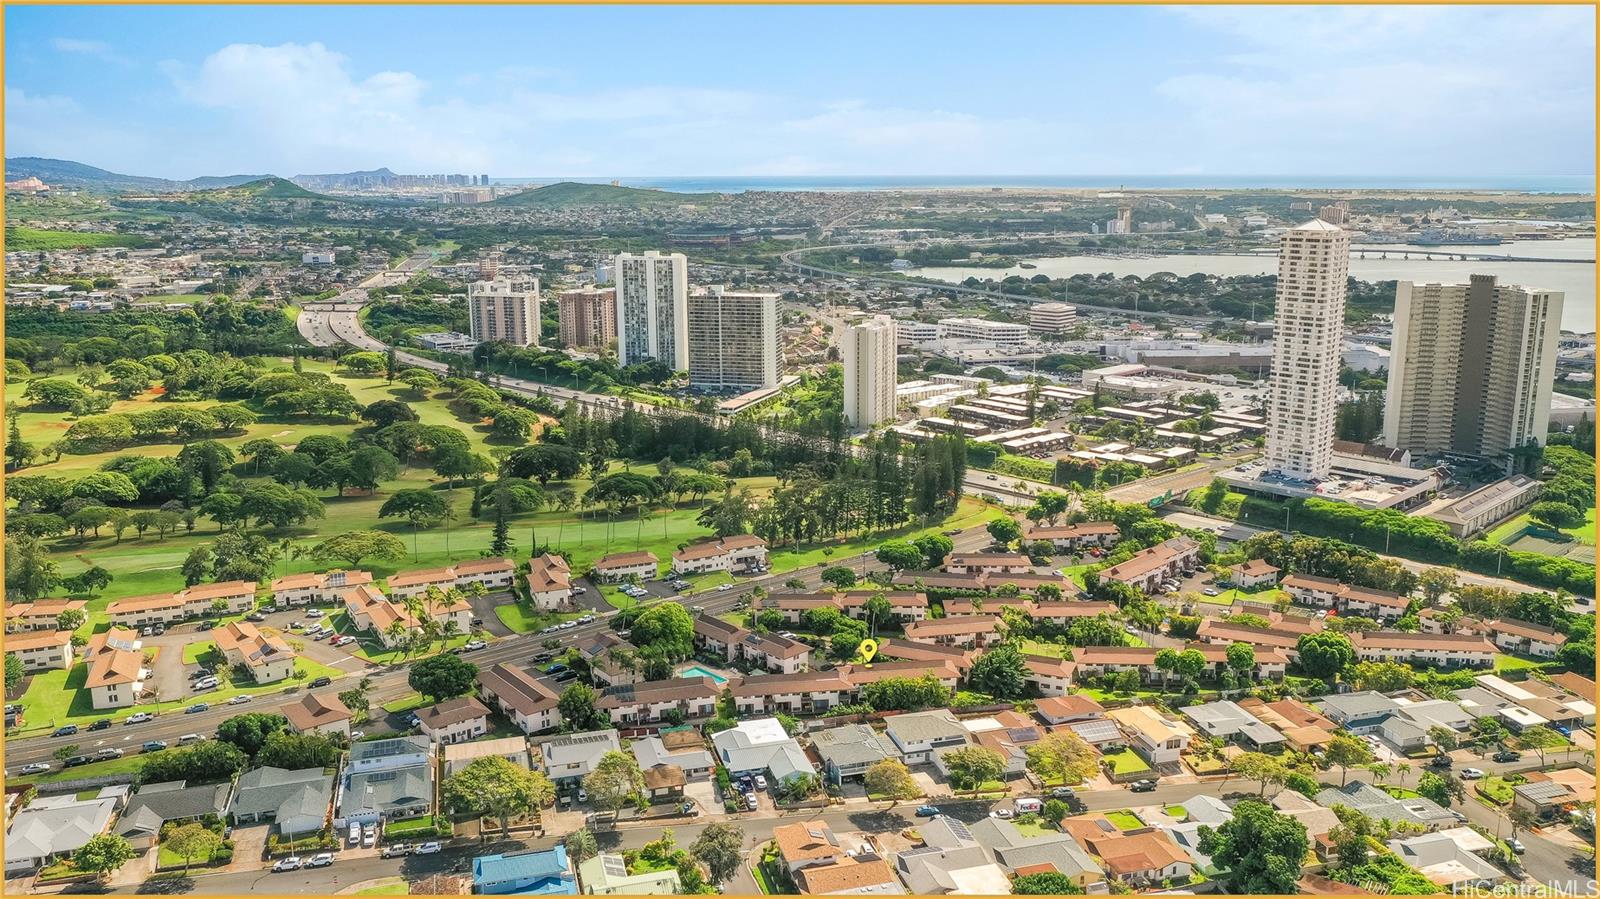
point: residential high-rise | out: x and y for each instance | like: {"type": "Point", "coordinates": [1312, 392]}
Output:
{"type": "Point", "coordinates": [652, 308]}
{"type": "Point", "coordinates": [1471, 367]}
{"type": "Point", "coordinates": [1053, 318]}
{"type": "Point", "coordinates": [1337, 213]}
{"type": "Point", "coordinates": [1313, 275]}
{"type": "Point", "coordinates": [867, 348]}
{"type": "Point", "coordinates": [588, 317]}
{"type": "Point", "coordinates": [505, 309]}
{"type": "Point", "coordinates": [733, 340]}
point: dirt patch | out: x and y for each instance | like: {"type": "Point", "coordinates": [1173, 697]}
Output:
{"type": "Point", "coordinates": [283, 433]}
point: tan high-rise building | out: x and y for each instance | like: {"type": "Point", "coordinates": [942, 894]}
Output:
{"type": "Point", "coordinates": [867, 348]}
{"type": "Point", "coordinates": [505, 309]}
{"type": "Point", "coordinates": [1313, 276]}
{"type": "Point", "coordinates": [733, 340]}
{"type": "Point", "coordinates": [1053, 318]}
{"type": "Point", "coordinates": [652, 308]}
{"type": "Point", "coordinates": [588, 317]}
{"type": "Point", "coordinates": [1471, 367]}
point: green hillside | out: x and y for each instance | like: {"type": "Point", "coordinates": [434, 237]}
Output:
{"type": "Point", "coordinates": [573, 193]}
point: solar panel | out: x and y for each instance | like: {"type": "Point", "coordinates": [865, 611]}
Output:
{"type": "Point", "coordinates": [958, 828]}
{"type": "Point", "coordinates": [615, 866]}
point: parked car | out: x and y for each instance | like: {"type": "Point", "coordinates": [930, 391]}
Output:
{"type": "Point", "coordinates": [108, 753]}
{"type": "Point", "coordinates": [320, 860]}
{"type": "Point", "coordinates": [255, 616]}
{"type": "Point", "coordinates": [292, 863]}
{"type": "Point", "coordinates": [207, 683]}
{"type": "Point", "coordinates": [207, 625]}
{"type": "Point", "coordinates": [1002, 813]}
{"type": "Point", "coordinates": [723, 588]}
{"type": "Point", "coordinates": [761, 782]}
{"type": "Point", "coordinates": [1440, 761]}
{"type": "Point", "coordinates": [566, 676]}
{"type": "Point", "coordinates": [1516, 845]}
{"type": "Point", "coordinates": [314, 613]}
{"type": "Point", "coordinates": [427, 848]}
{"type": "Point", "coordinates": [1470, 774]}
{"type": "Point", "coordinates": [102, 724]}
{"type": "Point", "coordinates": [75, 761]}
{"type": "Point", "coordinates": [413, 721]}
{"type": "Point", "coordinates": [1063, 793]}
{"type": "Point", "coordinates": [580, 590]}
{"type": "Point", "coordinates": [473, 646]}
{"type": "Point", "coordinates": [241, 698]}
{"type": "Point", "coordinates": [139, 718]}
{"type": "Point", "coordinates": [396, 850]}
{"type": "Point", "coordinates": [68, 730]}
{"type": "Point", "coordinates": [1142, 786]}
{"type": "Point", "coordinates": [321, 682]}
{"type": "Point", "coordinates": [186, 739]}
{"type": "Point", "coordinates": [154, 745]}
{"type": "Point", "coordinates": [34, 768]}
{"type": "Point", "coordinates": [1211, 591]}
{"type": "Point", "coordinates": [557, 668]}
{"type": "Point", "coordinates": [197, 707]}
{"type": "Point", "coordinates": [355, 834]}
{"type": "Point", "coordinates": [369, 836]}
{"type": "Point", "coordinates": [357, 735]}
{"type": "Point", "coordinates": [1562, 729]}
{"type": "Point", "coordinates": [927, 811]}
{"type": "Point", "coordinates": [1507, 755]}
{"type": "Point", "coordinates": [750, 800]}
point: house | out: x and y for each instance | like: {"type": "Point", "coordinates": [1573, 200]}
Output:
{"type": "Point", "coordinates": [1366, 602]}
{"type": "Point", "coordinates": [1062, 710]}
{"type": "Point", "coordinates": [1359, 713]}
{"type": "Point", "coordinates": [1318, 820]}
{"type": "Point", "coordinates": [849, 750]}
{"type": "Point", "coordinates": [54, 827]}
{"type": "Point", "coordinates": [267, 656]}
{"type": "Point", "coordinates": [1452, 858]}
{"type": "Point", "coordinates": [1074, 537]}
{"type": "Point", "coordinates": [807, 843]}
{"type": "Point", "coordinates": [737, 553]}
{"type": "Point", "coordinates": [41, 650]}
{"type": "Point", "coordinates": [988, 563]}
{"type": "Point", "coordinates": [1439, 650]}
{"type": "Point", "coordinates": [39, 615]}
{"type": "Point", "coordinates": [917, 736]}
{"type": "Point", "coordinates": [859, 676]}
{"type": "Point", "coordinates": [1321, 592]}
{"type": "Point", "coordinates": [1007, 734]}
{"type": "Point", "coordinates": [1544, 798]}
{"type": "Point", "coordinates": [387, 780]}
{"type": "Point", "coordinates": [1049, 675]}
{"type": "Point", "coordinates": [761, 745]}
{"type": "Point", "coordinates": [459, 755]}
{"type": "Point", "coordinates": [965, 631]}
{"type": "Point", "coordinates": [318, 713]}
{"type": "Point", "coordinates": [324, 587]}
{"type": "Point", "coordinates": [175, 801]}
{"type": "Point", "coordinates": [549, 582]}
{"type": "Point", "coordinates": [1058, 850]}
{"type": "Point", "coordinates": [1379, 805]}
{"type": "Point", "coordinates": [1252, 574]}
{"type": "Point", "coordinates": [619, 567]}
{"type": "Point", "coordinates": [1303, 727]}
{"type": "Point", "coordinates": [297, 801]}
{"type": "Point", "coordinates": [520, 696]}
{"type": "Point", "coordinates": [231, 597]}
{"type": "Point", "coordinates": [694, 697]}
{"type": "Point", "coordinates": [569, 758]}
{"type": "Point", "coordinates": [457, 720]}
{"type": "Point", "coordinates": [1228, 722]}
{"type": "Point", "coordinates": [1149, 567]}
{"type": "Point", "coordinates": [1158, 740]}
{"type": "Point", "coordinates": [1143, 858]}
{"type": "Point", "coordinates": [951, 861]}
{"type": "Point", "coordinates": [896, 648]}
{"type": "Point", "coordinates": [607, 874]}
{"type": "Point", "coordinates": [665, 783]}
{"type": "Point", "coordinates": [860, 875]}
{"type": "Point", "coordinates": [116, 678]}
{"type": "Point", "coordinates": [681, 748]}
{"type": "Point", "coordinates": [545, 872]}
{"type": "Point", "coordinates": [1528, 639]}
{"type": "Point", "coordinates": [904, 605]}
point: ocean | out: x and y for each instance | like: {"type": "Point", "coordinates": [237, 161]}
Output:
{"type": "Point", "coordinates": [1580, 184]}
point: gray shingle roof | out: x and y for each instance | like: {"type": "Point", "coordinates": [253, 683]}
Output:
{"type": "Point", "coordinates": [281, 792]}
{"type": "Point", "coordinates": [173, 801]}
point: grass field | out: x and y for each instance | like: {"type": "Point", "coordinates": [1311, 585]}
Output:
{"type": "Point", "coordinates": [124, 765]}
{"type": "Point", "coordinates": [1583, 533]}
{"type": "Point", "coordinates": [31, 239]}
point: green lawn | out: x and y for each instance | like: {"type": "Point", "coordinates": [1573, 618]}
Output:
{"type": "Point", "coordinates": [193, 651]}
{"type": "Point", "coordinates": [1583, 533]}
{"type": "Point", "coordinates": [1053, 650]}
{"type": "Point", "coordinates": [969, 513]}
{"type": "Point", "coordinates": [392, 887]}
{"type": "Point", "coordinates": [1075, 573]}
{"type": "Point", "coordinates": [170, 859]}
{"type": "Point", "coordinates": [524, 619]}
{"type": "Point", "coordinates": [1126, 761]}
{"type": "Point", "coordinates": [369, 647]}
{"type": "Point", "coordinates": [1507, 662]}
{"type": "Point", "coordinates": [1033, 828]}
{"type": "Point", "coordinates": [1124, 819]}
{"type": "Point", "coordinates": [409, 826]}
{"type": "Point", "coordinates": [1176, 811]}
{"type": "Point", "coordinates": [1494, 789]}
{"type": "Point", "coordinates": [124, 765]}
{"type": "Point", "coordinates": [405, 704]}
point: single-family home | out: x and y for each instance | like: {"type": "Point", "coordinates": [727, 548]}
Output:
{"type": "Point", "coordinates": [1379, 805]}
{"type": "Point", "coordinates": [54, 827]}
{"type": "Point", "coordinates": [806, 844]}
{"type": "Point", "coordinates": [457, 720]}
{"type": "Point", "coordinates": [761, 746]}
{"type": "Point", "coordinates": [950, 861]}
{"type": "Point", "coordinates": [1015, 851]}
{"type": "Point", "coordinates": [847, 751]}
{"type": "Point", "coordinates": [1062, 710]}
{"type": "Point", "coordinates": [459, 755]}
{"type": "Point", "coordinates": [545, 872]}
{"type": "Point", "coordinates": [172, 801]}
{"type": "Point", "coordinates": [320, 713]}
{"type": "Point", "coordinates": [917, 736]}
{"type": "Point", "coordinates": [1159, 740]}
{"type": "Point", "coordinates": [1544, 798]}
{"type": "Point", "coordinates": [1454, 859]}
{"type": "Point", "coordinates": [387, 780]}
{"type": "Point", "coordinates": [1226, 721]}
{"type": "Point", "coordinates": [569, 758]}
{"type": "Point", "coordinates": [859, 875]}
{"type": "Point", "coordinates": [681, 748]}
{"type": "Point", "coordinates": [297, 801]}
{"type": "Point", "coordinates": [1147, 858]}
{"type": "Point", "coordinates": [607, 874]}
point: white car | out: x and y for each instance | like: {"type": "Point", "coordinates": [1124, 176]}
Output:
{"type": "Point", "coordinates": [355, 834]}
{"type": "Point", "coordinates": [580, 590]}
{"type": "Point", "coordinates": [206, 683]}
{"type": "Point", "coordinates": [35, 768]}
{"type": "Point", "coordinates": [427, 849]}
{"type": "Point", "coordinates": [724, 588]}
{"type": "Point", "coordinates": [241, 698]}
{"type": "Point", "coordinates": [1002, 813]}
{"type": "Point", "coordinates": [314, 613]}
{"type": "Point", "coordinates": [473, 645]}
{"type": "Point", "coordinates": [1211, 591]}
{"type": "Point", "coordinates": [1470, 774]}
{"type": "Point", "coordinates": [320, 860]}
{"type": "Point", "coordinates": [568, 625]}
{"type": "Point", "coordinates": [761, 782]}
{"type": "Point", "coordinates": [186, 739]}
{"type": "Point", "coordinates": [140, 718]}
{"type": "Point", "coordinates": [357, 735]}
{"type": "Point", "coordinates": [292, 863]}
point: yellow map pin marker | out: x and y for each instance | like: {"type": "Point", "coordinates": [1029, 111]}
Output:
{"type": "Point", "coordinates": [867, 649]}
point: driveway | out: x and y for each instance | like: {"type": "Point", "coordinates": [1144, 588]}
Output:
{"type": "Point", "coordinates": [249, 846]}
{"type": "Point", "coordinates": [483, 607]}
{"type": "Point", "coordinates": [169, 675]}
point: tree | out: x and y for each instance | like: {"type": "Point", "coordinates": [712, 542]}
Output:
{"type": "Point", "coordinates": [1441, 788]}
{"type": "Point", "coordinates": [1259, 767]}
{"type": "Point", "coordinates": [1325, 654]}
{"type": "Point", "coordinates": [720, 847]}
{"type": "Point", "coordinates": [1521, 818]}
{"type": "Point", "coordinates": [891, 779]}
{"type": "Point", "coordinates": [207, 461]}
{"type": "Point", "coordinates": [250, 731]}
{"type": "Point", "coordinates": [19, 452]}
{"type": "Point", "coordinates": [581, 845]}
{"type": "Point", "coordinates": [1004, 530]}
{"type": "Point", "coordinates": [899, 555]}
{"type": "Point", "coordinates": [972, 767]}
{"type": "Point", "coordinates": [577, 707]}
{"type": "Point", "coordinates": [1063, 756]}
{"type": "Point", "coordinates": [191, 841]}
{"type": "Point", "coordinates": [1047, 883]}
{"type": "Point", "coordinates": [443, 677]}
{"type": "Point", "coordinates": [212, 761]}
{"type": "Point", "coordinates": [1347, 752]}
{"type": "Point", "coordinates": [384, 413]}
{"type": "Point", "coordinates": [296, 751]}
{"type": "Point", "coordinates": [14, 672]}
{"type": "Point", "coordinates": [197, 565]}
{"type": "Point", "coordinates": [1000, 672]}
{"type": "Point", "coordinates": [70, 620]}
{"type": "Point", "coordinates": [1260, 848]}
{"type": "Point", "coordinates": [103, 853]}
{"type": "Point", "coordinates": [667, 627]}
{"type": "Point", "coordinates": [934, 547]}
{"type": "Point", "coordinates": [496, 787]}
{"type": "Point", "coordinates": [1443, 738]}
{"type": "Point", "coordinates": [422, 508]}
{"type": "Point", "coordinates": [1435, 583]}
{"type": "Point", "coordinates": [839, 576]}
{"type": "Point", "coordinates": [106, 488]}
{"type": "Point", "coordinates": [353, 546]}
{"type": "Point", "coordinates": [1555, 515]}
{"type": "Point", "coordinates": [1383, 677]}
{"type": "Point", "coordinates": [30, 573]}
{"type": "Point", "coordinates": [543, 462]}
{"type": "Point", "coordinates": [1242, 659]}
{"type": "Point", "coordinates": [615, 782]}
{"type": "Point", "coordinates": [909, 694]}
{"type": "Point", "coordinates": [1540, 737]}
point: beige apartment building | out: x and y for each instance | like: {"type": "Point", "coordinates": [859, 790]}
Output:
{"type": "Point", "coordinates": [505, 309]}
{"type": "Point", "coordinates": [588, 317]}
{"type": "Point", "coordinates": [868, 352]}
{"type": "Point", "coordinates": [1471, 367]}
{"type": "Point", "coordinates": [733, 340]}
{"type": "Point", "coordinates": [1053, 318]}
{"type": "Point", "coordinates": [1313, 273]}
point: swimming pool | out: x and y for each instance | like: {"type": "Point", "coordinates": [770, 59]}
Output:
{"type": "Point", "coordinates": [697, 671]}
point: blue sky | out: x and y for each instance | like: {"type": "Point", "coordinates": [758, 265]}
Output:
{"type": "Point", "coordinates": [639, 91]}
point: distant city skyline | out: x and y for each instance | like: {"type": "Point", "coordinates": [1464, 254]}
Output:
{"type": "Point", "coordinates": [1453, 92]}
